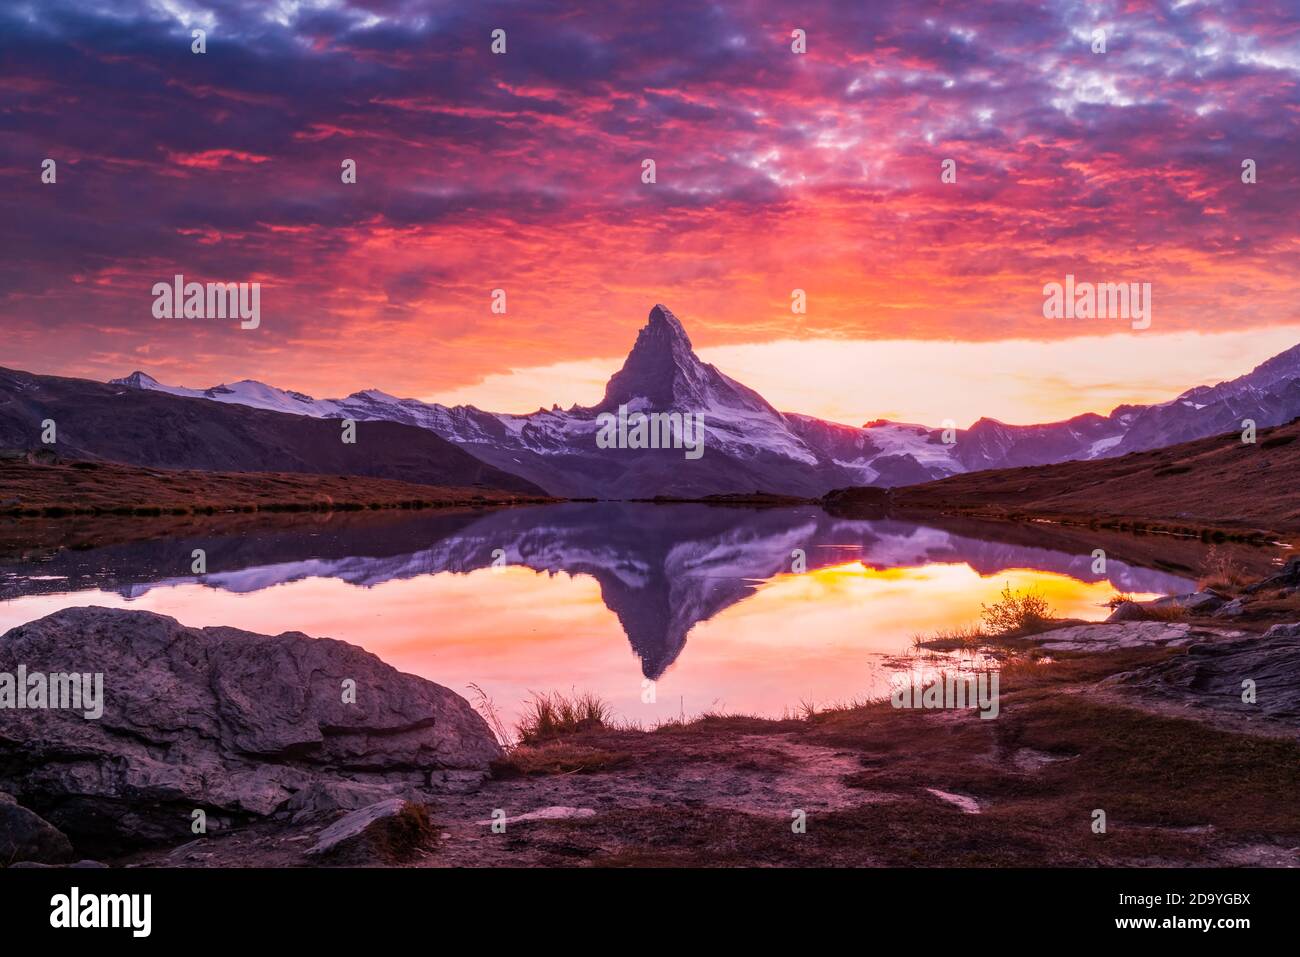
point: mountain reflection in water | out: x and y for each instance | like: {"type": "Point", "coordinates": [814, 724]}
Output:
{"type": "Point", "coordinates": [518, 600]}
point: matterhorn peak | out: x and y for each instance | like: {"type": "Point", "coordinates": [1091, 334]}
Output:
{"type": "Point", "coordinates": [659, 360]}
{"type": "Point", "coordinates": [662, 322]}
{"type": "Point", "coordinates": [663, 372]}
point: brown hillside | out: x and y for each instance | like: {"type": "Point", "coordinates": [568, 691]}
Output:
{"type": "Point", "coordinates": [57, 487]}
{"type": "Point", "coordinates": [1219, 483]}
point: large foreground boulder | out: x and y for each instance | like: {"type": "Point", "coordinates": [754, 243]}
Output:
{"type": "Point", "coordinates": [228, 722]}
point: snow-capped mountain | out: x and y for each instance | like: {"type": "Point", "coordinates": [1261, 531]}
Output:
{"type": "Point", "coordinates": [749, 445]}
{"type": "Point", "coordinates": [1269, 395]}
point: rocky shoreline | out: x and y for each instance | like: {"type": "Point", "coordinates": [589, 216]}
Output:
{"type": "Point", "coordinates": [219, 747]}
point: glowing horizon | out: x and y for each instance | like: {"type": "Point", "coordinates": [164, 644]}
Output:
{"type": "Point", "coordinates": [995, 373]}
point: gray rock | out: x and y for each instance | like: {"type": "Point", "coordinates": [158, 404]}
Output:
{"type": "Point", "coordinates": [1197, 603]}
{"type": "Point", "coordinates": [353, 825]}
{"type": "Point", "coordinates": [26, 837]}
{"type": "Point", "coordinates": [1233, 609]}
{"type": "Point", "coordinates": [1130, 634]}
{"type": "Point", "coordinates": [1203, 602]}
{"type": "Point", "coordinates": [1288, 578]}
{"type": "Point", "coordinates": [330, 797]}
{"type": "Point", "coordinates": [1210, 675]}
{"type": "Point", "coordinates": [1291, 630]}
{"type": "Point", "coordinates": [552, 813]}
{"type": "Point", "coordinates": [229, 721]}
{"type": "Point", "coordinates": [387, 831]}
{"type": "Point", "coordinates": [1128, 611]}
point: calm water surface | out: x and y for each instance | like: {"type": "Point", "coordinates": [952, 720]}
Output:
{"type": "Point", "coordinates": [595, 597]}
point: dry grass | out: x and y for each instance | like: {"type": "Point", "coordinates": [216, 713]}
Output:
{"type": "Point", "coordinates": [556, 757]}
{"type": "Point", "coordinates": [555, 714]}
{"type": "Point", "coordinates": [1221, 573]}
{"type": "Point", "coordinates": [946, 639]}
{"type": "Point", "coordinates": [1160, 780]}
{"type": "Point", "coordinates": [1217, 488]}
{"type": "Point", "coordinates": [108, 488]}
{"type": "Point", "coordinates": [1016, 613]}
{"type": "Point", "coordinates": [487, 709]}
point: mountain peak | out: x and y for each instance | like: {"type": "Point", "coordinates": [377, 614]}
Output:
{"type": "Point", "coordinates": [660, 359]}
{"type": "Point", "coordinates": [663, 324]}
{"type": "Point", "coordinates": [663, 373]}
{"type": "Point", "coordinates": [136, 380]}
{"type": "Point", "coordinates": [1283, 365]}
{"type": "Point", "coordinates": [375, 395]}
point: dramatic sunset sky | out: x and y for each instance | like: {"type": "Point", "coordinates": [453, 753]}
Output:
{"type": "Point", "coordinates": [775, 171]}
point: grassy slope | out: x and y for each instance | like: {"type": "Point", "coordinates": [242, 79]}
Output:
{"type": "Point", "coordinates": [110, 488]}
{"type": "Point", "coordinates": [1214, 483]}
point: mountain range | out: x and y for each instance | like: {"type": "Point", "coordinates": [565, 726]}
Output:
{"type": "Point", "coordinates": [750, 445]}
{"type": "Point", "coordinates": [94, 421]}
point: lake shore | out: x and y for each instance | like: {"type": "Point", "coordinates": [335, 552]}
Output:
{"type": "Point", "coordinates": [877, 787]}
{"type": "Point", "coordinates": [1140, 720]}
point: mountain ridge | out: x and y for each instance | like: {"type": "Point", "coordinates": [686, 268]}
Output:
{"type": "Point", "coordinates": [106, 422]}
{"type": "Point", "coordinates": [751, 445]}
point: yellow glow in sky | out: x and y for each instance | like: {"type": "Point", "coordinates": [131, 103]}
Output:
{"type": "Point", "coordinates": [854, 381]}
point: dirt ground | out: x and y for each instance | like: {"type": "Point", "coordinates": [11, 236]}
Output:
{"type": "Point", "coordinates": [877, 786]}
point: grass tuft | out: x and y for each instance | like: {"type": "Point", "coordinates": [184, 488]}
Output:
{"type": "Point", "coordinates": [1219, 572]}
{"type": "Point", "coordinates": [947, 639]}
{"type": "Point", "coordinates": [555, 757]}
{"type": "Point", "coordinates": [1016, 612]}
{"type": "Point", "coordinates": [487, 709]}
{"type": "Point", "coordinates": [553, 715]}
